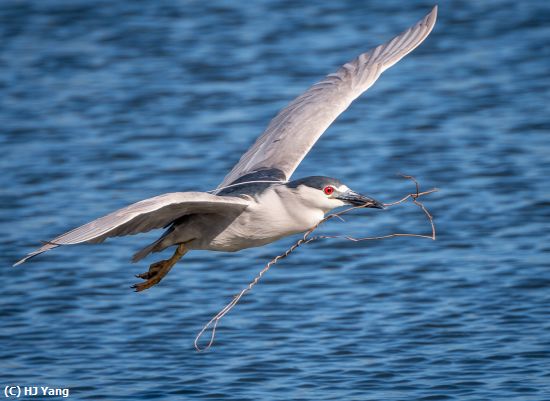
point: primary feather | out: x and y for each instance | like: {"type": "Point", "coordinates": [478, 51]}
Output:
{"type": "Point", "coordinates": [292, 133]}
{"type": "Point", "coordinates": [143, 216]}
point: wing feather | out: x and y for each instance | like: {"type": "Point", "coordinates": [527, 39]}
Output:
{"type": "Point", "coordinates": [144, 216]}
{"type": "Point", "coordinates": [292, 133]}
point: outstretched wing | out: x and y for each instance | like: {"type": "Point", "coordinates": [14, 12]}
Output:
{"type": "Point", "coordinates": [144, 216]}
{"type": "Point", "coordinates": [292, 133]}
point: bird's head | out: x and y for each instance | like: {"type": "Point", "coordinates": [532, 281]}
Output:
{"type": "Point", "coordinates": [327, 193]}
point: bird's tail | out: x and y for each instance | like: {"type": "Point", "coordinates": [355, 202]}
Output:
{"type": "Point", "coordinates": [156, 246]}
{"type": "Point", "coordinates": [144, 252]}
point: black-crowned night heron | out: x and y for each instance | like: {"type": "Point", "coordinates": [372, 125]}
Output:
{"type": "Point", "coordinates": [256, 203]}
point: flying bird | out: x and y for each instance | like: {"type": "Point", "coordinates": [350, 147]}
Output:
{"type": "Point", "coordinates": [256, 203]}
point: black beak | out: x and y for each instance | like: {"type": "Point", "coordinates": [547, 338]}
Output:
{"type": "Point", "coordinates": [355, 199]}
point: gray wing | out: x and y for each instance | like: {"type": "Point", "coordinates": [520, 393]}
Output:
{"type": "Point", "coordinates": [292, 133]}
{"type": "Point", "coordinates": [144, 216]}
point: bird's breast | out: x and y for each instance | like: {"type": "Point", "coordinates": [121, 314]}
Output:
{"type": "Point", "coordinates": [267, 219]}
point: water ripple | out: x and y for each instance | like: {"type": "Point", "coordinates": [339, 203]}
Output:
{"type": "Point", "coordinates": [106, 103]}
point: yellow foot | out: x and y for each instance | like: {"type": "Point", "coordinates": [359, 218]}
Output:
{"type": "Point", "coordinates": [158, 270]}
{"type": "Point", "coordinates": [153, 270]}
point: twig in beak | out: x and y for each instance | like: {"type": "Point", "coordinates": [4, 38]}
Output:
{"type": "Point", "coordinates": [213, 323]}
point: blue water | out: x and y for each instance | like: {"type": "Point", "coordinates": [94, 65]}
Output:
{"type": "Point", "coordinates": [103, 103]}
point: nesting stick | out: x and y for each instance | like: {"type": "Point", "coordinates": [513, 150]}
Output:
{"type": "Point", "coordinates": [307, 238]}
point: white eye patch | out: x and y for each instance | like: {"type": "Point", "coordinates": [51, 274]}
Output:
{"type": "Point", "coordinates": [342, 188]}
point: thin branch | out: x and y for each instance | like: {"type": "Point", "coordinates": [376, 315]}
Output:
{"type": "Point", "coordinates": [213, 323]}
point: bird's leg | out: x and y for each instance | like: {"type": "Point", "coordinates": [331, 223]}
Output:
{"type": "Point", "coordinates": [158, 270]}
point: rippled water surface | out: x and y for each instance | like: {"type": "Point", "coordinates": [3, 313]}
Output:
{"type": "Point", "coordinates": [106, 103]}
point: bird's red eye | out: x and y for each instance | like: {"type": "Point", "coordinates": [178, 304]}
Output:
{"type": "Point", "coordinates": [328, 190]}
